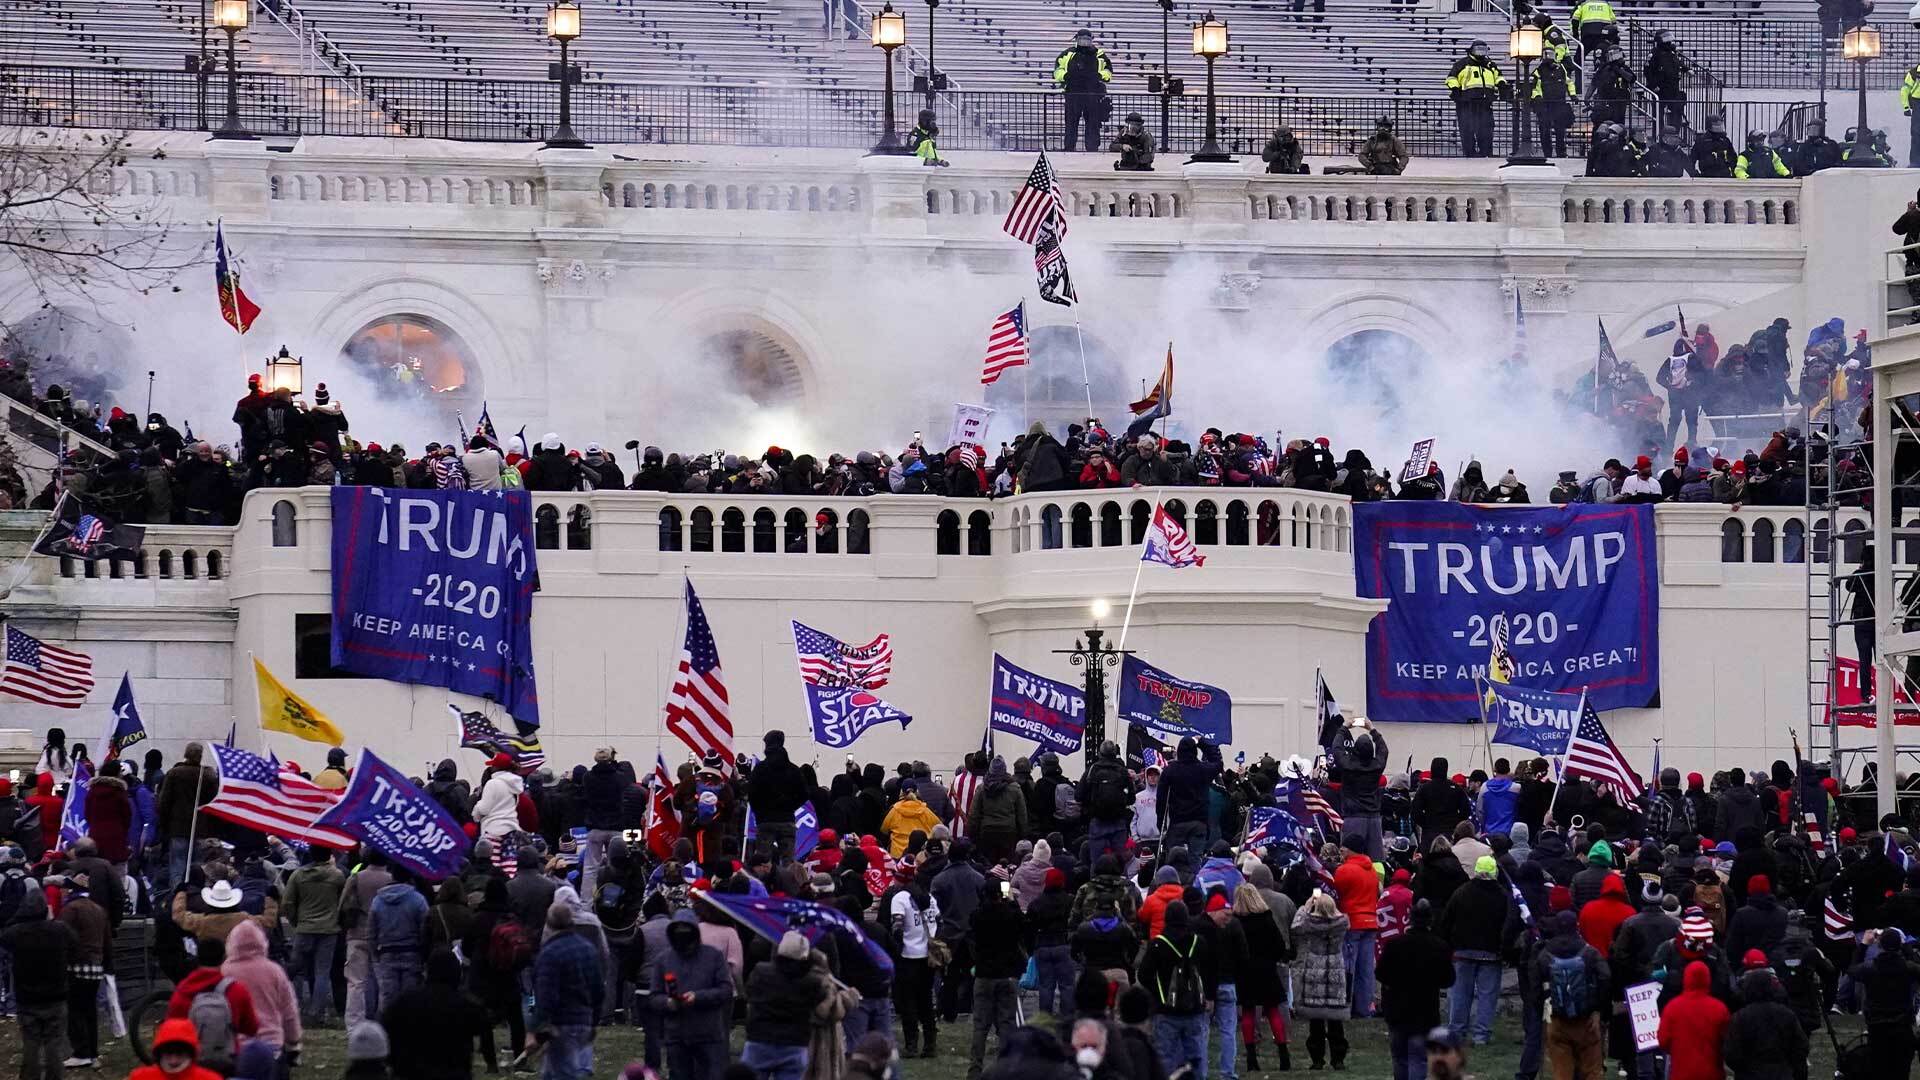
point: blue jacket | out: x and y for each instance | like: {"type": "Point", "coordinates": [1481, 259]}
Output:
{"type": "Point", "coordinates": [1498, 797]}
{"type": "Point", "coordinates": [566, 983]}
{"type": "Point", "coordinates": [143, 833]}
{"type": "Point", "coordinates": [397, 919]}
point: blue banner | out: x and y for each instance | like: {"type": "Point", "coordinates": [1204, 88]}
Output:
{"type": "Point", "coordinates": [806, 829]}
{"type": "Point", "coordinates": [1573, 590]}
{"type": "Point", "coordinates": [127, 725]}
{"type": "Point", "coordinates": [1050, 712]}
{"type": "Point", "coordinates": [1266, 824]}
{"type": "Point", "coordinates": [436, 588]}
{"type": "Point", "coordinates": [1171, 707]}
{"type": "Point", "coordinates": [1218, 873]}
{"type": "Point", "coordinates": [1540, 720]}
{"type": "Point", "coordinates": [383, 809]}
{"type": "Point", "coordinates": [842, 714]}
{"type": "Point", "coordinates": [771, 917]}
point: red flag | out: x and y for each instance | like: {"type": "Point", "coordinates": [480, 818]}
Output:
{"type": "Point", "coordinates": [235, 308]}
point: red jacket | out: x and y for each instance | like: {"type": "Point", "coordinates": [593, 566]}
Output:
{"type": "Point", "coordinates": [1395, 912]}
{"type": "Point", "coordinates": [1358, 887]}
{"type": "Point", "coordinates": [239, 1000]}
{"type": "Point", "coordinates": [1153, 910]}
{"type": "Point", "coordinates": [175, 1032]}
{"type": "Point", "coordinates": [1691, 1027]}
{"type": "Point", "coordinates": [109, 817]}
{"type": "Point", "coordinates": [50, 806]}
{"type": "Point", "coordinates": [1602, 917]}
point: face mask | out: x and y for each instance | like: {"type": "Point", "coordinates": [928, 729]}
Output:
{"type": "Point", "coordinates": [1087, 1058]}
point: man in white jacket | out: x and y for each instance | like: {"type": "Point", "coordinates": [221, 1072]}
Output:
{"type": "Point", "coordinates": [483, 464]}
{"type": "Point", "coordinates": [497, 811]}
{"type": "Point", "coordinates": [1146, 809]}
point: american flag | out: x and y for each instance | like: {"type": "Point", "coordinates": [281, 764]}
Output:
{"type": "Point", "coordinates": [1592, 754]}
{"type": "Point", "coordinates": [1050, 267]}
{"type": "Point", "coordinates": [697, 710]}
{"type": "Point", "coordinates": [258, 793]}
{"type": "Point", "coordinates": [1839, 924]}
{"type": "Point", "coordinates": [1152, 759]}
{"type": "Point", "coordinates": [44, 673]}
{"type": "Point", "coordinates": [1318, 805]}
{"type": "Point", "coordinates": [1500, 665]}
{"type": "Point", "coordinates": [479, 733]}
{"type": "Point", "coordinates": [966, 784]}
{"type": "Point", "coordinates": [1006, 343]}
{"type": "Point", "coordinates": [825, 660]}
{"type": "Point", "coordinates": [1168, 543]}
{"type": "Point", "coordinates": [1816, 839]}
{"type": "Point", "coordinates": [1037, 203]}
{"type": "Point", "coordinates": [1265, 824]}
{"type": "Point", "coordinates": [87, 532]}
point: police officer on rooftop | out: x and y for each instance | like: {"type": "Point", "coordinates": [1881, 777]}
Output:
{"type": "Point", "coordinates": [1083, 73]}
{"type": "Point", "coordinates": [1473, 83]}
{"type": "Point", "coordinates": [1592, 22]}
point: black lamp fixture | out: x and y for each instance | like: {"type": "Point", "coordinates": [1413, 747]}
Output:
{"type": "Point", "coordinates": [1525, 43]}
{"type": "Point", "coordinates": [1094, 654]}
{"type": "Point", "coordinates": [1862, 44]}
{"type": "Point", "coordinates": [563, 26]}
{"type": "Point", "coordinates": [934, 81]}
{"type": "Point", "coordinates": [889, 32]}
{"type": "Point", "coordinates": [233, 17]}
{"type": "Point", "coordinates": [1210, 43]}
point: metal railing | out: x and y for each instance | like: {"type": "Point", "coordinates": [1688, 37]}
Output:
{"type": "Point", "coordinates": [487, 110]}
{"type": "Point", "coordinates": [1753, 52]}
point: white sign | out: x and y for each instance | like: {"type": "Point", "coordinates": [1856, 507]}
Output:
{"type": "Point", "coordinates": [1417, 461]}
{"type": "Point", "coordinates": [969, 425]}
{"type": "Point", "coordinates": [1643, 1008]}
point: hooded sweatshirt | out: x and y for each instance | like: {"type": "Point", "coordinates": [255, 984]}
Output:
{"type": "Point", "coordinates": [1692, 1027]}
{"type": "Point", "coordinates": [175, 1033]}
{"type": "Point", "coordinates": [498, 810]}
{"type": "Point", "coordinates": [1764, 1041]}
{"type": "Point", "coordinates": [1184, 785]}
{"type": "Point", "coordinates": [1499, 799]}
{"type": "Point", "coordinates": [275, 1008]}
{"type": "Point", "coordinates": [1601, 917]}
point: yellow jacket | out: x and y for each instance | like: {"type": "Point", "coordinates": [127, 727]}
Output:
{"type": "Point", "coordinates": [1908, 87]}
{"type": "Point", "coordinates": [1760, 168]}
{"type": "Point", "coordinates": [1594, 11]}
{"type": "Point", "coordinates": [907, 815]}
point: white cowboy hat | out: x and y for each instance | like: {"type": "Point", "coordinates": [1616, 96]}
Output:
{"type": "Point", "coordinates": [221, 894]}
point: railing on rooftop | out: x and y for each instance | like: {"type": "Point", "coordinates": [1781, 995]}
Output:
{"type": "Point", "coordinates": [489, 110]}
{"type": "Point", "coordinates": [1758, 52]}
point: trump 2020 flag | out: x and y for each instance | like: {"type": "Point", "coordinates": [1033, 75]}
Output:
{"type": "Point", "coordinates": [1050, 712]}
{"type": "Point", "coordinates": [770, 917]}
{"type": "Point", "coordinates": [1540, 720]}
{"type": "Point", "coordinates": [1168, 543]}
{"type": "Point", "coordinates": [383, 809]}
{"type": "Point", "coordinates": [127, 727]}
{"type": "Point", "coordinates": [1267, 824]}
{"type": "Point", "coordinates": [806, 829]}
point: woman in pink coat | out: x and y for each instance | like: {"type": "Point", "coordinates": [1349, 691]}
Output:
{"type": "Point", "coordinates": [274, 1003]}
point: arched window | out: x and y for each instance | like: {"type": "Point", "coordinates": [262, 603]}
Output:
{"type": "Point", "coordinates": [733, 529]}
{"type": "Point", "coordinates": [1793, 541]}
{"type": "Point", "coordinates": [946, 533]}
{"type": "Point", "coordinates": [166, 563]}
{"type": "Point", "coordinates": [189, 564]}
{"type": "Point", "coordinates": [213, 565]}
{"type": "Point", "coordinates": [1822, 537]}
{"type": "Point", "coordinates": [796, 532]}
{"type": "Point", "coordinates": [546, 527]}
{"type": "Point", "coordinates": [1267, 523]}
{"type": "Point", "coordinates": [1236, 524]}
{"type": "Point", "coordinates": [1853, 540]}
{"type": "Point", "coordinates": [1378, 366]}
{"type": "Point", "coordinates": [580, 527]}
{"type": "Point", "coordinates": [1177, 510]}
{"type": "Point", "coordinates": [1050, 526]}
{"type": "Point", "coordinates": [1206, 523]}
{"type": "Point", "coordinates": [413, 359]}
{"type": "Point", "coordinates": [702, 529]}
{"type": "Point", "coordinates": [858, 537]}
{"type": "Point", "coordinates": [1081, 535]}
{"type": "Point", "coordinates": [1140, 515]}
{"type": "Point", "coordinates": [669, 528]}
{"type": "Point", "coordinates": [1733, 541]}
{"type": "Point", "coordinates": [1763, 540]}
{"type": "Point", "coordinates": [1110, 530]}
{"type": "Point", "coordinates": [979, 533]}
{"type": "Point", "coordinates": [286, 529]}
{"type": "Point", "coordinates": [826, 532]}
{"type": "Point", "coordinates": [764, 532]}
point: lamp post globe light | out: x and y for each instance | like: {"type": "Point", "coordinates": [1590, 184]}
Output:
{"type": "Point", "coordinates": [1210, 43]}
{"type": "Point", "coordinates": [284, 372]}
{"type": "Point", "coordinates": [1525, 43]}
{"type": "Point", "coordinates": [563, 26]}
{"type": "Point", "coordinates": [889, 32]}
{"type": "Point", "coordinates": [1095, 655]}
{"type": "Point", "coordinates": [233, 17]}
{"type": "Point", "coordinates": [1861, 44]}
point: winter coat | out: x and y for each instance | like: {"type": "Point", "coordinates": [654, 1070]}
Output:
{"type": "Point", "coordinates": [1604, 915]}
{"type": "Point", "coordinates": [213, 925]}
{"type": "Point", "coordinates": [1319, 977]}
{"type": "Point", "coordinates": [776, 787]}
{"type": "Point", "coordinates": [1260, 980]}
{"type": "Point", "coordinates": [1358, 774]}
{"type": "Point", "coordinates": [451, 792]}
{"type": "Point", "coordinates": [1438, 806]}
{"type": "Point", "coordinates": [999, 809]}
{"type": "Point", "coordinates": [1153, 910]}
{"type": "Point", "coordinates": [1103, 894]}
{"type": "Point", "coordinates": [110, 817]}
{"type": "Point", "coordinates": [397, 919]}
{"type": "Point", "coordinates": [1499, 800]}
{"type": "Point", "coordinates": [1760, 923]}
{"type": "Point", "coordinates": [1184, 785]}
{"type": "Point", "coordinates": [605, 784]}
{"type": "Point", "coordinates": [1635, 943]}
{"type": "Point", "coordinates": [1412, 970]}
{"type": "Point", "coordinates": [498, 811]}
{"type": "Point", "coordinates": [1105, 943]}
{"type": "Point", "coordinates": [1692, 1027]}
{"type": "Point", "coordinates": [1475, 918]}
{"type": "Point", "coordinates": [1166, 954]}
{"type": "Point", "coordinates": [781, 996]}
{"type": "Point", "coordinates": [177, 804]}
{"type": "Point", "coordinates": [907, 815]}
{"type": "Point", "coordinates": [274, 1004]}
{"type": "Point", "coordinates": [703, 973]}
{"type": "Point", "coordinates": [311, 900]}
{"type": "Point", "coordinates": [1764, 1040]}
{"type": "Point", "coordinates": [997, 933]}
{"type": "Point", "coordinates": [1739, 808]}
{"type": "Point", "coordinates": [1358, 889]}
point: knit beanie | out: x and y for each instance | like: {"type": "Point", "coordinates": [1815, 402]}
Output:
{"type": "Point", "coordinates": [793, 946]}
{"type": "Point", "coordinates": [367, 1041]}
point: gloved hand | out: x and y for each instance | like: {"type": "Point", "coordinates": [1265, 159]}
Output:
{"type": "Point", "coordinates": [1454, 94]}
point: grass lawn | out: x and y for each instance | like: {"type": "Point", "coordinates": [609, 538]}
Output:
{"type": "Point", "coordinates": [325, 1051]}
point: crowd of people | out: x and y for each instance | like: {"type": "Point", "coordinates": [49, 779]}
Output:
{"type": "Point", "coordinates": [1156, 937]}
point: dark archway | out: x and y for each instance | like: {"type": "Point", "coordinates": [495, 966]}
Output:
{"type": "Point", "coordinates": [415, 358]}
{"type": "Point", "coordinates": [1377, 364]}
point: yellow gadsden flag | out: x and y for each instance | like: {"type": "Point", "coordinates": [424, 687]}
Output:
{"type": "Point", "coordinates": [283, 710]}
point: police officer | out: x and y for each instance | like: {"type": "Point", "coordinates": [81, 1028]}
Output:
{"type": "Point", "coordinates": [1668, 158]}
{"type": "Point", "coordinates": [921, 139]}
{"type": "Point", "coordinates": [1134, 146]}
{"type": "Point", "coordinates": [1612, 87]}
{"type": "Point", "coordinates": [1664, 70]}
{"type": "Point", "coordinates": [1384, 154]}
{"type": "Point", "coordinates": [1083, 72]}
{"type": "Point", "coordinates": [1910, 89]}
{"type": "Point", "coordinates": [1592, 22]}
{"type": "Point", "coordinates": [1713, 154]}
{"type": "Point", "coordinates": [1283, 153]}
{"type": "Point", "coordinates": [1551, 98]}
{"type": "Point", "coordinates": [1758, 161]}
{"type": "Point", "coordinates": [1473, 83]}
{"type": "Point", "coordinates": [1816, 151]}
{"type": "Point", "coordinates": [1611, 154]}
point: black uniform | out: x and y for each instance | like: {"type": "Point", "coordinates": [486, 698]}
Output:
{"type": "Point", "coordinates": [1666, 161]}
{"type": "Point", "coordinates": [1713, 155]}
{"type": "Point", "coordinates": [1664, 70]}
{"type": "Point", "coordinates": [1612, 89]}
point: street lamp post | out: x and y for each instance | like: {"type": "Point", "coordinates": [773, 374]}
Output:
{"type": "Point", "coordinates": [1164, 84]}
{"type": "Point", "coordinates": [563, 26]}
{"type": "Point", "coordinates": [1525, 44]}
{"type": "Point", "coordinates": [232, 16]}
{"type": "Point", "coordinates": [933, 81]}
{"type": "Point", "coordinates": [1095, 655]}
{"type": "Point", "coordinates": [1862, 43]}
{"type": "Point", "coordinates": [889, 32]}
{"type": "Point", "coordinates": [1210, 42]}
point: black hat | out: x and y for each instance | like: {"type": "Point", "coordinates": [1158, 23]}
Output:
{"type": "Point", "coordinates": [1135, 118]}
{"type": "Point", "coordinates": [1083, 32]}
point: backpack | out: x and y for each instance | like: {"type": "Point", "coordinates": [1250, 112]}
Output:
{"type": "Point", "coordinates": [1187, 994]}
{"type": "Point", "coordinates": [1712, 900]}
{"type": "Point", "coordinates": [212, 1017]}
{"type": "Point", "coordinates": [1568, 986]}
{"type": "Point", "coordinates": [1065, 808]}
{"type": "Point", "coordinates": [508, 946]}
{"type": "Point", "coordinates": [1107, 795]}
{"type": "Point", "coordinates": [510, 477]}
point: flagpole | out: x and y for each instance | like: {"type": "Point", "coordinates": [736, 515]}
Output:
{"type": "Point", "coordinates": [1486, 737]}
{"type": "Point", "coordinates": [20, 569]}
{"type": "Point", "coordinates": [1554, 802]}
{"type": "Point", "coordinates": [1126, 621]}
{"type": "Point", "coordinates": [1081, 337]}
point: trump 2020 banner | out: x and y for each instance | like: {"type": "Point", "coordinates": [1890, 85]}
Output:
{"type": "Point", "coordinates": [436, 588]}
{"type": "Point", "coordinates": [1172, 707]}
{"type": "Point", "coordinates": [383, 809]}
{"type": "Point", "coordinates": [1050, 712]}
{"type": "Point", "coordinates": [1577, 589]}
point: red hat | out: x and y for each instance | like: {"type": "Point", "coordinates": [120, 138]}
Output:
{"type": "Point", "coordinates": [1680, 455]}
{"type": "Point", "coordinates": [1643, 462]}
{"type": "Point", "coordinates": [1830, 786]}
{"type": "Point", "coordinates": [1402, 876]}
{"type": "Point", "coordinates": [117, 413]}
{"type": "Point", "coordinates": [1217, 902]}
{"type": "Point", "coordinates": [253, 380]}
{"type": "Point", "coordinates": [1322, 441]}
{"type": "Point", "coordinates": [1432, 468]}
{"type": "Point", "coordinates": [6, 787]}
{"type": "Point", "coordinates": [499, 761]}
{"type": "Point", "coordinates": [1739, 468]}
{"type": "Point", "coordinates": [1753, 960]}
{"type": "Point", "coordinates": [472, 829]}
{"type": "Point", "coordinates": [1695, 781]}
{"type": "Point", "coordinates": [828, 836]}
{"type": "Point", "coordinates": [1848, 836]}
{"type": "Point", "coordinates": [1559, 898]}
{"type": "Point", "coordinates": [374, 448]}
{"type": "Point", "coordinates": [1055, 877]}
{"type": "Point", "coordinates": [1759, 883]}
{"type": "Point", "coordinates": [1459, 778]}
